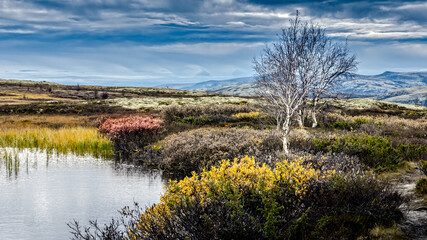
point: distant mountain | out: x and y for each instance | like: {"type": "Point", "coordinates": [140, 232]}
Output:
{"type": "Point", "coordinates": [374, 85]}
{"type": "Point", "coordinates": [381, 86]}
{"type": "Point", "coordinates": [213, 84]}
{"type": "Point", "coordinates": [415, 95]}
{"type": "Point", "coordinates": [247, 89]}
{"type": "Point", "coordinates": [176, 85]}
{"type": "Point", "coordinates": [359, 85]}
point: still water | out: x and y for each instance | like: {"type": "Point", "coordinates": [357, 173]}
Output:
{"type": "Point", "coordinates": [41, 192]}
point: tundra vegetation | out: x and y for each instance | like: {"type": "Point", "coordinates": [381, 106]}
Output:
{"type": "Point", "coordinates": [332, 185]}
{"type": "Point", "coordinates": [335, 183]}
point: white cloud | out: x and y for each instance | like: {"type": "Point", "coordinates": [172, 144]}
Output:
{"type": "Point", "coordinates": [412, 6]}
{"type": "Point", "coordinates": [375, 58]}
{"type": "Point", "coordinates": [219, 37]}
{"type": "Point", "coordinates": [19, 31]}
{"type": "Point", "coordinates": [207, 49]}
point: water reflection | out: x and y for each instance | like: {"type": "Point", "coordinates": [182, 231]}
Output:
{"type": "Point", "coordinates": [41, 192]}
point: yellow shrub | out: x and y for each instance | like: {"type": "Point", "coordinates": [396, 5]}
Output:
{"type": "Point", "coordinates": [157, 146]}
{"type": "Point", "coordinates": [254, 115]}
{"type": "Point", "coordinates": [238, 181]}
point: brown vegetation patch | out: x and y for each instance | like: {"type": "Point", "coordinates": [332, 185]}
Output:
{"type": "Point", "coordinates": [51, 121]}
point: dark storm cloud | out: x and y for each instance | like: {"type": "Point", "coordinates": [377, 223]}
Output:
{"type": "Point", "coordinates": [189, 39]}
{"type": "Point", "coordinates": [146, 20]}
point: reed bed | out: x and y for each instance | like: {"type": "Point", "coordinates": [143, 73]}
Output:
{"type": "Point", "coordinates": [78, 140]}
{"type": "Point", "coordinates": [11, 162]}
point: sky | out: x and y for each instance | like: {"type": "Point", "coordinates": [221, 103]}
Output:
{"type": "Point", "coordinates": [153, 42]}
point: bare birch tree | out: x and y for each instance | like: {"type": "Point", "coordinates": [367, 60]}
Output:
{"type": "Point", "coordinates": [337, 64]}
{"type": "Point", "coordinates": [300, 64]}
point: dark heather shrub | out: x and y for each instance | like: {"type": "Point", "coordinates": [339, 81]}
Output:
{"type": "Point", "coordinates": [104, 95]}
{"type": "Point", "coordinates": [421, 186]}
{"type": "Point", "coordinates": [340, 162]}
{"type": "Point", "coordinates": [423, 166]}
{"type": "Point", "coordinates": [208, 114]}
{"type": "Point", "coordinates": [346, 207]}
{"type": "Point", "coordinates": [201, 148]}
{"type": "Point", "coordinates": [116, 229]}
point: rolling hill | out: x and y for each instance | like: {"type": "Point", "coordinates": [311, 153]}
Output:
{"type": "Point", "coordinates": [414, 95]}
{"type": "Point", "coordinates": [407, 87]}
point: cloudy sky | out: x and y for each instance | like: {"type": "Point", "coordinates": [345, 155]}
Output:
{"type": "Point", "coordinates": [150, 42]}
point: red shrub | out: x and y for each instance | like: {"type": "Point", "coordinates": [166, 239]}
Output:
{"type": "Point", "coordinates": [129, 126]}
{"type": "Point", "coordinates": [131, 134]}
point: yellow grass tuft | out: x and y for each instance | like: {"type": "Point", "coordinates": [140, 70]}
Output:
{"type": "Point", "coordinates": [79, 140]}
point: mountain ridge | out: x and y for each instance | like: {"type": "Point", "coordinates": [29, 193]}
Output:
{"type": "Point", "coordinates": [372, 86]}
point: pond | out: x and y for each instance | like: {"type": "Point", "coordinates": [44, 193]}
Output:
{"type": "Point", "coordinates": [40, 192]}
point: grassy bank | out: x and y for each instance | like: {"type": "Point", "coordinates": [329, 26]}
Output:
{"type": "Point", "coordinates": [78, 140]}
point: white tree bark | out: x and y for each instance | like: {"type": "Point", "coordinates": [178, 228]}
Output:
{"type": "Point", "coordinates": [313, 115]}
{"type": "Point", "coordinates": [285, 145]}
{"type": "Point", "coordinates": [300, 116]}
{"type": "Point", "coordinates": [285, 129]}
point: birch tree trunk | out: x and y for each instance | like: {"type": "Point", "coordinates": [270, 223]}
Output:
{"type": "Point", "coordinates": [286, 129]}
{"type": "Point", "coordinates": [313, 113]}
{"type": "Point", "coordinates": [300, 115]}
{"type": "Point", "coordinates": [285, 145]}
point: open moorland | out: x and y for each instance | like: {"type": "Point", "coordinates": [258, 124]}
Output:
{"type": "Point", "coordinates": [360, 174]}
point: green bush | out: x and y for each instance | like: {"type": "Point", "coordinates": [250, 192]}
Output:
{"type": "Point", "coordinates": [351, 125]}
{"type": "Point", "coordinates": [342, 125]}
{"type": "Point", "coordinates": [421, 186]}
{"type": "Point", "coordinates": [339, 122]}
{"type": "Point", "coordinates": [373, 151]}
{"type": "Point", "coordinates": [412, 152]}
{"type": "Point", "coordinates": [423, 166]}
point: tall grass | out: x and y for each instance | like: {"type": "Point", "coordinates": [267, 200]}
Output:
{"type": "Point", "coordinates": [11, 162]}
{"type": "Point", "coordinates": [78, 140]}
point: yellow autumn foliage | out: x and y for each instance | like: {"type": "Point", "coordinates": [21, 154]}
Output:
{"type": "Point", "coordinates": [254, 115]}
{"type": "Point", "coordinates": [233, 180]}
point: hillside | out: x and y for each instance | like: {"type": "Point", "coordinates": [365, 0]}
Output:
{"type": "Point", "coordinates": [414, 95]}
{"type": "Point", "coordinates": [247, 89]}
{"type": "Point", "coordinates": [373, 85]}
{"type": "Point", "coordinates": [213, 84]}
{"type": "Point", "coordinates": [396, 87]}
{"type": "Point", "coordinates": [34, 97]}
{"type": "Point", "coordinates": [359, 85]}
